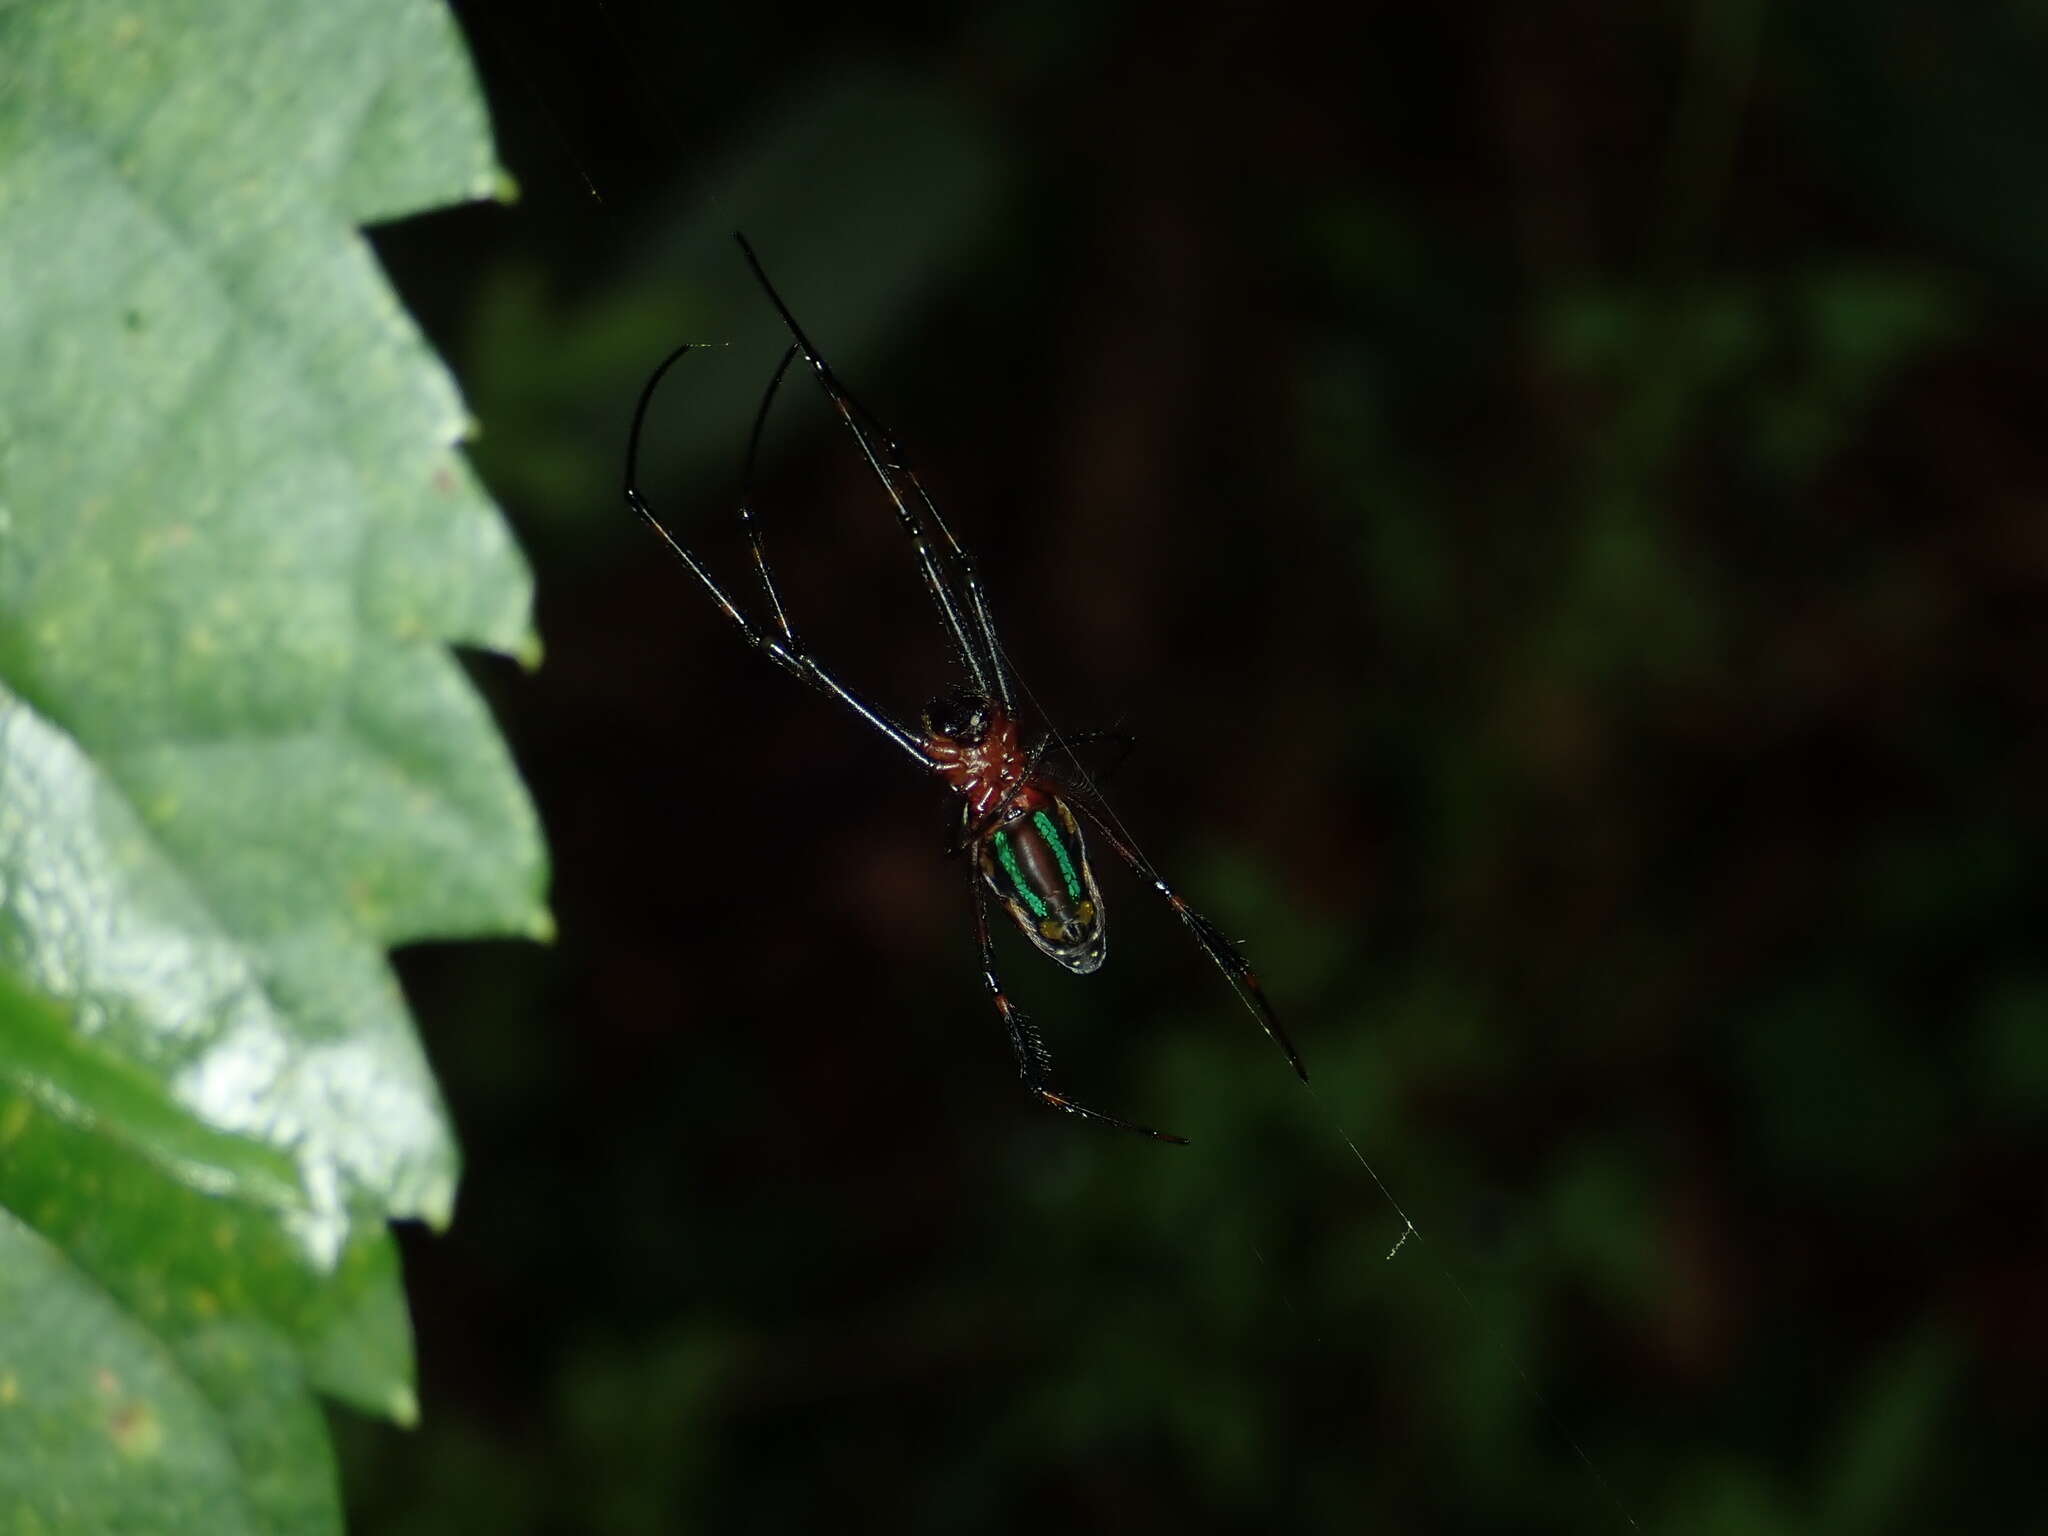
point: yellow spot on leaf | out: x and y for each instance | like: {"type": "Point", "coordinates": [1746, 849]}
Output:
{"type": "Point", "coordinates": [10, 1389]}
{"type": "Point", "coordinates": [136, 1430]}
{"type": "Point", "coordinates": [14, 1120]}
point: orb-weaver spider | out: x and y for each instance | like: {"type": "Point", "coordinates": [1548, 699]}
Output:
{"type": "Point", "coordinates": [1016, 820]}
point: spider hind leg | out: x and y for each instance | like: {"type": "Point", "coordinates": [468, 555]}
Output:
{"type": "Point", "coordinates": [1034, 1065]}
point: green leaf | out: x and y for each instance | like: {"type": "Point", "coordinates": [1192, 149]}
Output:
{"type": "Point", "coordinates": [99, 1431]}
{"type": "Point", "coordinates": [52, 1067]}
{"type": "Point", "coordinates": [237, 761]}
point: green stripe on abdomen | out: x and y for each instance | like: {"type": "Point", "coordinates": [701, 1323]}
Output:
{"type": "Point", "coordinates": [1051, 834]}
{"type": "Point", "coordinates": [1007, 857]}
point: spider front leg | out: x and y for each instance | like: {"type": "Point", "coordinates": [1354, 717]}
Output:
{"type": "Point", "coordinates": [965, 615]}
{"type": "Point", "coordinates": [1033, 1065]}
{"type": "Point", "coordinates": [1243, 979]}
{"type": "Point", "coordinates": [787, 651]}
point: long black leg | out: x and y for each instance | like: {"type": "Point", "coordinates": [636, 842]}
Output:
{"type": "Point", "coordinates": [786, 652]}
{"type": "Point", "coordinates": [893, 454]}
{"type": "Point", "coordinates": [1033, 1065]}
{"type": "Point", "coordinates": [747, 519]}
{"type": "Point", "coordinates": [980, 650]}
{"type": "Point", "coordinates": [1243, 979]}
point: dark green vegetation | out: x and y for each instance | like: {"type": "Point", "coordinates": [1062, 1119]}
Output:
{"type": "Point", "coordinates": [1561, 497]}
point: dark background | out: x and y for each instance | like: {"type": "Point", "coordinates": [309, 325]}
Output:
{"type": "Point", "coordinates": [1558, 494]}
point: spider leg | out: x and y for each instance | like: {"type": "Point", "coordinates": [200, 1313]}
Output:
{"type": "Point", "coordinates": [1243, 979]}
{"type": "Point", "coordinates": [747, 518]}
{"type": "Point", "coordinates": [915, 510]}
{"type": "Point", "coordinates": [1033, 1064]}
{"type": "Point", "coordinates": [785, 652]}
{"type": "Point", "coordinates": [896, 460]}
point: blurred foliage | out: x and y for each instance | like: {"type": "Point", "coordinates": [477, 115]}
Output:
{"type": "Point", "coordinates": [237, 761]}
{"type": "Point", "coordinates": [1558, 494]}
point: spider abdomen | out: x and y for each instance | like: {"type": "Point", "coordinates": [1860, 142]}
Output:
{"type": "Point", "coordinates": [1037, 864]}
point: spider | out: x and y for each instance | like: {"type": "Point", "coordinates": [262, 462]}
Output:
{"type": "Point", "coordinates": [1018, 822]}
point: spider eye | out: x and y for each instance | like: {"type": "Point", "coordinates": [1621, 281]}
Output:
{"type": "Point", "coordinates": [958, 717]}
